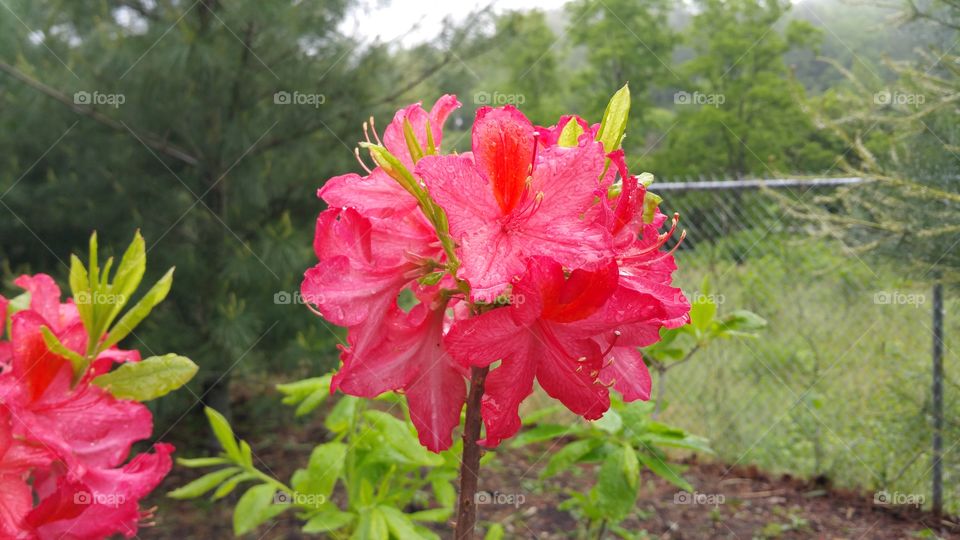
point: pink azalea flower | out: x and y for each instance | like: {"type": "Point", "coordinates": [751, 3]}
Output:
{"type": "Point", "coordinates": [377, 194]}
{"type": "Point", "coordinates": [548, 335]}
{"type": "Point", "coordinates": [508, 202]}
{"type": "Point", "coordinates": [58, 439]}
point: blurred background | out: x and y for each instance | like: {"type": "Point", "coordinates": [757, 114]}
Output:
{"type": "Point", "coordinates": [811, 148]}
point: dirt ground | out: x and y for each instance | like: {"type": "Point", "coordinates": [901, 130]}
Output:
{"type": "Point", "coordinates": [753, 504]}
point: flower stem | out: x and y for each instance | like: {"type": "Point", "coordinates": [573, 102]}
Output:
{"type": "Point", "coordinates": [470, 465]}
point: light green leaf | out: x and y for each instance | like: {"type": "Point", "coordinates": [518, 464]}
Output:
{"type": "Point", "coordinates": [564, 458]}
{"type": "Point", "coordinates": [413, 146]}
{"type": "Point", "coordinates": [399, 523]}
{"type": "Point", "coordinates": [664, 470]}
{"type": "Point", "coordinates": [444, 492]}
{"type": "Point", "coordinates": [148, 379]}
{"type": "Point", "coordinates": [614, 122]}
{"type": "Point", "coordinates": [433, 515]}
{"type": "Point", "coordinates": [495, 532]}
{"type": "Point", "coordinates": [570, 134]}
{"type": "Point", "coordinates": [227, 487]}
{"type": "Point", "coordinates": [203, 484]}
{"type": "Point", "coordinates": [630, 466]}
{"type": "Point", "coordinates": [611, 422]}
{"type": "Point", "coordinates": [254, 508]}
{"type": "Point", "coordinates": [324, 468]}
{"type": "Point", "coordinates": [328, 520]}
{"type": "Point", "coordinates": [139, 311]}
{"type": "Point", "coordinates": [194, 463]}
{"type": "Point", "coordinates": [372, 526]}
{"type": "Point", "coordinates": [224, 433]}
{"type": "Point", "coordinates": [78, 362]}
{"type": "Point", "coordinates": [543, 432]}
{"type": "Point", "coordinates": [612, 495]}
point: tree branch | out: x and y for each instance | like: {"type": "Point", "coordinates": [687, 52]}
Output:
{"type": "Point", "coordinates": [156, 143]}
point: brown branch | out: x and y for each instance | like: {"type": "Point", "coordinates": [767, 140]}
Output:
{"type": "Point", "coordinates": [470, 465]}
{"type": "Point", "coordinates": [154, 142]}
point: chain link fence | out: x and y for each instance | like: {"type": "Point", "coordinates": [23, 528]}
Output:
{"type": "Point", "coordinates": [840, 383]}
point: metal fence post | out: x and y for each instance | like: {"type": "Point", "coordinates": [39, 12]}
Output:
{"type": "Point", "coordinates": [937, 404]}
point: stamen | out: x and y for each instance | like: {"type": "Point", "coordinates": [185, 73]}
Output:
{"type": "Point", "coordinates": [366, 134]}
{"type": "Point", "coordinates": [536, 146]}
{"type": "Point", "coordinates": [356, 152]}
{"type": "Point", "coordinates": [376, 136]}
{"type": "Point", "coordinates": [608, 385]}
{"type": "Point", "coordinates": [613, 343]}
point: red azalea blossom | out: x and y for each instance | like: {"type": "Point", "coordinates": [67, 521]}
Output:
{"type": "Point", "coordinates": [64, 445]}
{"type": "Point", "coordinates": [531, 250]}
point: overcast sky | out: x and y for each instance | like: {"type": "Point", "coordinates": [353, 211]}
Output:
{"type": "Point", "coordinates": [395, 20]}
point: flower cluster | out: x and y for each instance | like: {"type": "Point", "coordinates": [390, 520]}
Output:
{"type": "Point", "coordinates": [537, 249]}
{"type": "Point", "coordinates": [64, 441]}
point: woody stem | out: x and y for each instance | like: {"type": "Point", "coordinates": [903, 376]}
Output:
{"type": "Point", "coordinates": [470, 465]}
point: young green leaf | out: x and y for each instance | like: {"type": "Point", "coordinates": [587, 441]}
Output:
{"type": "Point", "coordinates": [148, 379]}
{"type": "Point", "coordinates": [328, 520]}
{"type": "Point", "coordinates": [224, 433]}
{"type": "Point", "coordinates": [255, 507]}
{"type": "Point", "coordinates": [203, 484]}
{"type": "Point", "coordinates": [570, 134]}
{"type": "Point", "coordinates": [78, 362]}
{"type": "Point", "coordinates": [614, 123]}
{"type": "Point", "coordinates": [138, 312]}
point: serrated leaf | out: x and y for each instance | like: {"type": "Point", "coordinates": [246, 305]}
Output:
{"type": "Point", "coordinates": [149, 378]}
{"type": "Point", "coordinates": [203, 484]}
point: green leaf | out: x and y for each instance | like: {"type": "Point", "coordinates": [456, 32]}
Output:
{"type": "Point", "coordinates": [307, 394]}
{"type": "Point", "coordinates": [401, 443]}
{"type": "Point", "coordinates": [564, 458]}
{"type": "Point", "coordinates": [433, 515]}
{"type": "Point", "coordinates": [611, 422]}
{"type": "Point", "coordinates": [543, 432]}
{"type": "Point", "coordinates": [411, 138]}
{"type": "Point", "coordinates": [324, 468]}
{"type": "Point", "coordinates": [227, 487]}
{"type": "Point", "coordinates": [399, 523]}
{"type": "Point", "coordinates": [651, 201]}
{"type": "Point", "coordinates": [570, 134]}
{"type": "Point", "coordinates": [702, 312]}
{"type": "Point", "coordinates": [203, 484]}
{"type": "Point", "coordinates": [444, 492]}
{"type": "Point", "coordinates": [78, 362]}
{"type": "Point", "coordinates": [194, 463]}
{"type": "Point", "coordinates": [613, 495]}
{"type": "Point", "coordinates": [614, 122]}
{"type": "Point", "coordinates": [80, 283]}
{"type": "Point", "coordinates": [129, 274]}
{"type": "Point", "coordinates": [630, 466]}
{"type": "Point", "coordinates": [148, 379]}
{"type": "Point", "coordinates": [224, 433]}
{"type": "Point", "coordinates": [254, 508]}
{"type": "Point", "coordinates": [372, 526]}
{"type": "Point", "coordinates": [668, 472]}
{"type": "Point", "coordinates": [328, 520]}
{"type": "Point", "coordinates": [495, 532]}
{"type": "Point", "coordinates": [138, 312]}
{"type": "Point", "coordinates": [342, 416]}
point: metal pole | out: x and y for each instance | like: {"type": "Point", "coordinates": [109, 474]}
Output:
{"type": "Point", "coordinates": [937, 399]}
